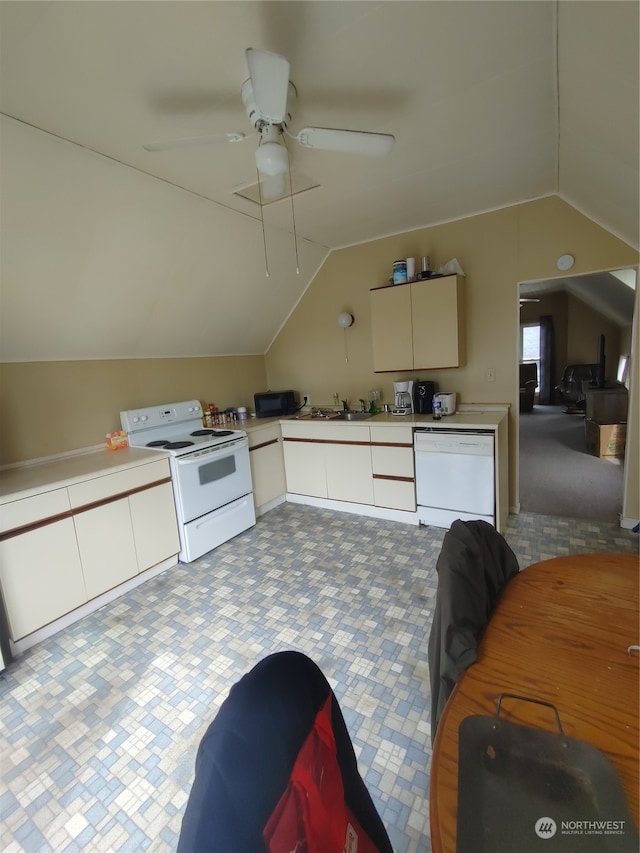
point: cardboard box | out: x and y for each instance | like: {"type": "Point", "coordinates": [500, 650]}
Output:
{"type": "Point", "coordinates": [605, 439]}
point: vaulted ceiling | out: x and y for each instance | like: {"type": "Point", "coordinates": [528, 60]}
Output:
{"type": "Point", "coordinates": [491, 104]}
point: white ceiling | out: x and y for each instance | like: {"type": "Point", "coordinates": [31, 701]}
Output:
{"type": "Point", "coordinates": [610, 294]}
{"type": "Point", "coordinates": [491, 104]}
{"type": "Point", "coordinates": [468, 89]}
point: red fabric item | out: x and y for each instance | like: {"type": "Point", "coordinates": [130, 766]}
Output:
{"type": "Point", "coordinates": [311, 815]}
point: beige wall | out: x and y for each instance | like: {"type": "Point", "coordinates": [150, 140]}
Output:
{"type": "Point", "coordinates": [496, 250]}
{"type": "Point", "coordinates": [41, 401]}
{"type": "Point", "coordinates": [585, 328]}
{"type": "Point", "coordinates": [59, 406]}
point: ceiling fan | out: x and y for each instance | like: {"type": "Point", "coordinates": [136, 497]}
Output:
{"type": "Point", "coordinates": [268, 97]}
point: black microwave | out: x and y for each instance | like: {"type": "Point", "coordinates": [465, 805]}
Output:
{"type": "Point", "coordinates": [274, 404]}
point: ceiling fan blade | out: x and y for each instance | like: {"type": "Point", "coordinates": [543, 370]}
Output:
{"type": "Point", "coordinates": [195, 141]}
{"type": "Point", "coordinates": [269, 74]}
{"type": "Point", "coordinates": [351, 141]}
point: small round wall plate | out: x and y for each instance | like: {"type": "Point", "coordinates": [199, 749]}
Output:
{"type": "Point", "coordinates": [565, 262]}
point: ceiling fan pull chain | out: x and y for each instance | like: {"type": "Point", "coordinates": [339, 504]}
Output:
{"type": "Point", "coordinates": [293, 215]}
{"type": "Point", "coordinates": [264, 238]}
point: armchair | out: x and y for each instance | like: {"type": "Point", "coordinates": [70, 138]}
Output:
{"type": "Point", "coordinates": [528, 385]}
{"type": "Point", "coordinates": [570, 388]}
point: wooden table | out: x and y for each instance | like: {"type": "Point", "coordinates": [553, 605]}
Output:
{"type": "Point", "coordinates": [560, 633]}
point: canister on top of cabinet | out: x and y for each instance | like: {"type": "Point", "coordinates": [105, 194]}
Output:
{"type": "Point", "coordinates": [399, 272]}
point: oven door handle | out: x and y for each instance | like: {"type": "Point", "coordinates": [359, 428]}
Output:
{"type": "Point", "coordinates": [218, 453]}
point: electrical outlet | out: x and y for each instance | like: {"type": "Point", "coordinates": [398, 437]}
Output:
{"type": "Point", "coordinates": [306, 399]}
{"type": "Point", "coordinates": [491, 374]}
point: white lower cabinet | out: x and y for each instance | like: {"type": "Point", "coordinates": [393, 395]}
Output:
{"type": "Point", "coordinates": [155, 528]}
{"type": "Point", "coordinates": [329, 460]}
{"type": "Point", "coordinates": [304, 461]}
{"type": "Point", "coordinates": [41, 576]}
{"type": "Point", "coordinates": [107, 548]}
{"type": "Point", "coordinates": [267, 465]}
{"type": "Point", "coordinates": [65, 546]}
{"type": "Point", "coordinates": [348, 470]}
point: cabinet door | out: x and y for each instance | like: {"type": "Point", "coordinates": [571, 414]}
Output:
{"type": "Point", "coordinates": [107, 550]}
{"type": "Point", "coordinates": [305, 468]}
{"type": "Point", "coordinates": [155, 528]}
{"type": "Point", "coordinates": [267, 472]}
{"type": "Point", "coordinates": [41, 577]}
{"type": "Point", "coordinates": [391, 328]}
{"type": "Point", "coordinates": [436, 322]}
{"type": "Point", "coordinates": [349, 476]}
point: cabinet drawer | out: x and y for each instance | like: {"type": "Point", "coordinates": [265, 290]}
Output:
{"type": "Point", "coordinates": [392, 435]}
{"type": "Point", "coordinates": [118, 483]}
{"type": "Point", "coordinates": [394, 494]}
{"type": "Point", "coordinates": [326, 432]}
{"type": "Point", "coordinates": [392, 461]}
{"type": "Point", "coordinates": [296, 429]}
{"type": "Point", "coordinates": [33, 509]}
{"type": "Point", "coordinates": [346, 432]}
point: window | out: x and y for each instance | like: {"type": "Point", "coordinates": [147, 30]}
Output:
{"type": "Point", "coordinates": [530, 344]}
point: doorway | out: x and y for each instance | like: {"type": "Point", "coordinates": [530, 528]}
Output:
{"type": "Point", "coordinates": [557, 476]}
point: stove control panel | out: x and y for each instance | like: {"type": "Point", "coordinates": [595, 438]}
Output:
{"type": "Point", "coordinates": [153, 416]}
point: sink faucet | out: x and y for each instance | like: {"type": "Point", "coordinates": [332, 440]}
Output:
{"type": "Point", "coordinates": [345, 405]}
{"type": "Point", "coordinates": [363, 405]}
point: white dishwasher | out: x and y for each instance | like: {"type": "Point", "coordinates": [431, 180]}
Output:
{"type": "Point", "coordinates": [455, 475]}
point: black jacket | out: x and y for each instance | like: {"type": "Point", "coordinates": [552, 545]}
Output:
{"type": "Point", "coordinates": [245, 758]}
{"type": "Point", "coordinates": [474, 565]}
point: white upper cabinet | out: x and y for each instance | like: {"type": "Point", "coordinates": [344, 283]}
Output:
{"type": "Point", "coordinates": [418, 326]}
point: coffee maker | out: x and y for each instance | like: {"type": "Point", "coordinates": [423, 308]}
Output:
{"type": "Point", "coordinates": [423, 396]}
{"type": "Point", "coordinates": [402, 398]}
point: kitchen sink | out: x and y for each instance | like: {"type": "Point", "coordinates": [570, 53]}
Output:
{"type": "Point", "coordinates": [354, 416]}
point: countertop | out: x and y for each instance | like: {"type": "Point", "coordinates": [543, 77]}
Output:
{"type": "Point", "coordinates": [488, 417]}
{"type": "Point", "coordinates": [31, 479]}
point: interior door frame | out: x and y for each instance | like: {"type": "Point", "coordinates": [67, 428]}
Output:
{"type": "Point", "coordinates": [626, 521]}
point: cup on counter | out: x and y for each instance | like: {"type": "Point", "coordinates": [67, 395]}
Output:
{"type": "Point", "coordinates": [242, 413]}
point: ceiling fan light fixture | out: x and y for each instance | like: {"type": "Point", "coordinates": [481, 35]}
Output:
{"type": "Point", "coordinates": [272, 159]}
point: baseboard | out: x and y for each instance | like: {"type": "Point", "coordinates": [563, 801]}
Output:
{"type": "Point", "coordinates": [356, 509]}
{"type": "Point", "coordinates": [269, 505]}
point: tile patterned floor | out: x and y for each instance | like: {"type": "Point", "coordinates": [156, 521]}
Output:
{"type": "Point", "coordinates": [99, 724]}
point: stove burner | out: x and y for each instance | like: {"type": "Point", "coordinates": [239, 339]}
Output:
{"type": "Point", "coordinates": [160, 443]}
{"type": "Point", "coordinates": [202, 432]}
{"type": "Point", "coordinates": [176, 445]}
{"type": "Point", "coordinates": [222, 431]}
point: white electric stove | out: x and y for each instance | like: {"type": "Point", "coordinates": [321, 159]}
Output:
{"type": "Point", "coordinates": [209, 469]}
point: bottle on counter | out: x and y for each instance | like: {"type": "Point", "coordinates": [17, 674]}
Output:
{"type": "Point", "coordinates": [436, 407]}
